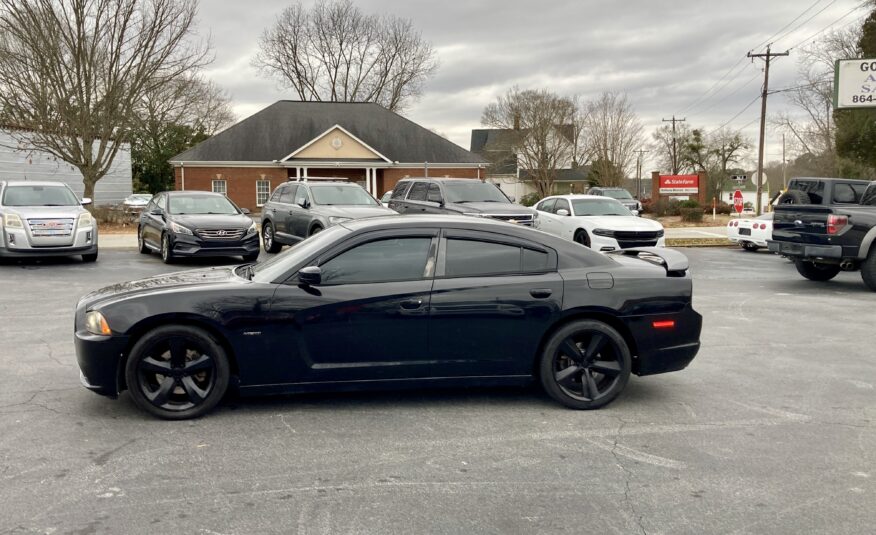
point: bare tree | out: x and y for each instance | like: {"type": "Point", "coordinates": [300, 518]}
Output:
{"type": "Point", "coordinates": [728, 148]}
{"type": "Point", "coordinates": [544, 122]}
{"type": "Point", "coordinates": [74, 72]}
{"type": "Point", "coordinates": [669, 154]}
{"type": "Point", "coordinates": [334, 52]}
{"type": "Point", "coordinates": [611, 133]}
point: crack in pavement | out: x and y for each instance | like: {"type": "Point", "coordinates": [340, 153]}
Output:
{"type": "Point", "coordinates": [627, 476]}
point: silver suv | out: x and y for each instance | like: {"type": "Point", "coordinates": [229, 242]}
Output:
{"type": "Point", "coordinates": [45, 219]}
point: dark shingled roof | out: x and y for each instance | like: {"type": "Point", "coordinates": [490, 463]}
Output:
{"type": "Point", "coordinates": [285, 126]}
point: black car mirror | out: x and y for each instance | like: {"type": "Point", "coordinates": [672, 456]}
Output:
{"type": "Point", "coordinates": [304, 203]}
{"type": "Point", "coordinates": [310, 275]}
{"type": "Point", "coordinates": [157, 211]}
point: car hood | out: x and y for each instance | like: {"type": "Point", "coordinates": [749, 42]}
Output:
{"type": "Point", "coordinates": [355, 212]}
{"type": "Point", "coordinates": [621, 222]}
{"type": "Point", "coordinates": [208, 221]}
{"type": "Point", "coordinates": [180, 279]}
{"type": "Point", "coordinates": [38, 212]}
{"type": "Point", "coordinates": [491, 208]}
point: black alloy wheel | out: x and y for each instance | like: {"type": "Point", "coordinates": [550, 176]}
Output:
{"type": "Point", "coordinates": [166, 249]}
{"type": "Point", "coordinates": [177, 372]}
{"type": "Point", "coordinates": [816, 271]}
{"type": "Point", "coordinates": [585, 365]}
{"type": "Point", "coordinates": [583, 238]}
{"type": "Point", "coordinates": [141, 242]}
{"type": "Point", "coordinates": [268, 240]}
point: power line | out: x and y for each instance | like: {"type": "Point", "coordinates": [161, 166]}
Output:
{"type": "Point", "coordinates": [804, 41]}
{"type": "Point", "coordinates": [783, 28]}
{"type": "Point", "coordinates": [819, 12]}
{"type": "Point", "coordinates": [728, 95]}
{"type": "Point", "coordinates": [740, 112]}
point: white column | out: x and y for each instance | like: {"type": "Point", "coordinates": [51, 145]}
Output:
{"type": "Point", "coordinates": [368, 180]}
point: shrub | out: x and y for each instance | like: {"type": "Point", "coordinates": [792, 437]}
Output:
{"type": "Point", "coordinates": [529, 199]}
{"type": "Point", "coordinates": [691, 215]}
{"type": "Point", "coordinates": [723, 208]}
{"type": "Point", "coordinates": [110, 214]}
{"type": "Point", "coordinates": [689, 203]}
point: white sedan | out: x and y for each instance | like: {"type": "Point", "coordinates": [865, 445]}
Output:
{"type": "Point", "coordinates": [751, 234]}
{"type": "Point", "coordinates": [601, 223]}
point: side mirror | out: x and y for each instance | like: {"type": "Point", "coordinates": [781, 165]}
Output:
{"type": "Point", "coordinates": [634, 212]}
{"type": "Point", "coordinates": [157, 211]}
{"type": "Point", "coordinates": [86, 201]}
{"type": "Point", "coordinates": [310, 275]}
{"type": "Point", "coordinates": [303, 203]}
{"type": "Point", "coordinates": [563, 212]}
{"type": "Point", "coordinates": [245, 211]}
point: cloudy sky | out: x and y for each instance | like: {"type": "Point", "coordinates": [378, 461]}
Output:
{"type": "Point", "coordinates": [669, 56]}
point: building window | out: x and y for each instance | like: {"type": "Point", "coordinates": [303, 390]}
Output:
{"type": "Point", "coordinates": [220, 186]}
{"type": "Point", "coordinates": [263, 189]}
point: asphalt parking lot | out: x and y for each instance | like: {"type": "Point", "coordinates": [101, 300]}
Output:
{"type": "Point", "coordinates": [771, 430]}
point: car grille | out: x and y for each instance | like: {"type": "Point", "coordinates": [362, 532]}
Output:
{"type": "Point", "coordinates": [51, 227]}
{"type": "Point", "coordinates": [627, 244]}
{"type": "Point", "coordinates": [221, 233]}
{"type": "Point", "coordinates": [637, 235]}
{"type": "Point", "coordinates": [520, 219]}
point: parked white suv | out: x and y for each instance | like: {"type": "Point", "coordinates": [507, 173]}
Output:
{"type": "Point", "coordinates": [45, 219]}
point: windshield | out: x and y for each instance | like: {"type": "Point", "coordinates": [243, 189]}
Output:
{"type": "Point", "coordinates": [342, 194]}
{"type": "Point", "coordinates": [39, 196]}
{"type": "Point", "coordinates": [597, 207]}
{"type": "Point", "coordinates": [618, 194]}
{"type": "Point", "coordinates": [463, 191]}
{"type": "Point", "coordinates": [200, 204]}
{"type": "Point", "coordinates": [272, 269]}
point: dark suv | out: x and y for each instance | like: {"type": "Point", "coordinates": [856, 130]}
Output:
{"type": "Point", "coordinates": [457, 196]}
{"type": "Point", "coordinates": [623, 196]}
{"type": "Point", "coordinates": [297, 210]}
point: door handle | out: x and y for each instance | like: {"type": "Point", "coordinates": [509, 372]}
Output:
{"type": "Point", "coordinates": [540, 293]}
{"type": "Point", "coordinates": [411, 304]}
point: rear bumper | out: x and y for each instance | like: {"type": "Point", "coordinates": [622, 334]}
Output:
{"type": "Point", "coordinates": [665, 350]}
{"type": "Point", "coordinates": [100, 359]}
{"type": "Point", "coordinates": [804, 250]}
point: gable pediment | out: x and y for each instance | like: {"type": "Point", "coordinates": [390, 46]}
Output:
{"type": "Point", "coordinates": [336, 143]}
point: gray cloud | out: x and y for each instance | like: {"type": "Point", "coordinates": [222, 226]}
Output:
{"type": "Point", "coordinates": [664, 54]}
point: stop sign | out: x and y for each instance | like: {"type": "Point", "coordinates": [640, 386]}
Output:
{"type": "Point", "coordinates": [737, 201]}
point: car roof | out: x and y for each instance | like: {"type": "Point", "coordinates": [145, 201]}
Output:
{"type": "Point", "coordinates": [35, 183]}
{"type": "Point", "coordinates": [439, 179]}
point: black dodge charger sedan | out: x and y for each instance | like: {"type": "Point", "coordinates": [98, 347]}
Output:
{"type": "Point", "coordinates": [394, 302]}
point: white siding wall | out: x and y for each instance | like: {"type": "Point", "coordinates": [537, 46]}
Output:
{"type": "Point", "coordinates": [17, 162]}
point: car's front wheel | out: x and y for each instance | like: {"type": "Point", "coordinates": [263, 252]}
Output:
{"type": "Point", "coordinates": [815, 271]}
{"type": "Point", "coordinates": [582, 237]}
{"type": "Point", "coordinates": [177, 372]}
{"type": "Point", "coordinates": [585, 364]}
{"type": "Point", "coordinates": [141, 242]}
{"type": "Point", "coordinates": [166, 249]}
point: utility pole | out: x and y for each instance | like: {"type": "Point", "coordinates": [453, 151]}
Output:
{"type": "Point", "coordinates": [784, 166]}
{"type": "Point", "coordinates": [674, 148]}
{"type": "Point", "coordinates": [639, 172]}
{"type": "Point", "coordinates": [763, 106]}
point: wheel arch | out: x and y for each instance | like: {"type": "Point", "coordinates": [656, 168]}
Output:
{"type": "Point", "coordinates": [192, 320]}
{"type": "Point", "coordinates": [314, 225]}
{"type": "Point", "coordinates": [867, 244]}
{"type": "Point", "coordinates": [602, 315]}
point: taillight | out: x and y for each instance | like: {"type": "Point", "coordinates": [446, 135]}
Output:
{"type": "Point", "coordinates": [835, 223]}
{"type": "Point", "coordinates": [763, 226]}
{"type": "Point", "coordinates": [668, 324]}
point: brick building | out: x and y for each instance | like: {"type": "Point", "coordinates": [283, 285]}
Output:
{"type": "Point", "coordinates": [361, 141]}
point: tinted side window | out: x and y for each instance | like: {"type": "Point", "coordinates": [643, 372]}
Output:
{"type": "Point", "coordinates": [393, 259]}
{"type": "Point", "coordinates": [869, 196]}
{"type": "Point", "coordinates": [400, 189]}
{"type": "Point", "coordinates": [562, 204]}
{"type": "Point", "coordinates": [471, 258]}
{"type": "Point", "coordinates": [301, 195]}
{"type": "Point", "coordinates": [288, 195]}
{"type": "Point", "coordinates": [843, 193]}
{"type": "Point", "coordinates": [275, 197]}
{"type": "Point", "coordinates": [535, 260]}
{"type": "Point", "coordinates": [159, 202]}
{"type": "Point", "coordinates": [547, 206]}
{"type": "Point", "coordinates": [434, 193]}
{"type": "Point", "coordinates": [418, 191]}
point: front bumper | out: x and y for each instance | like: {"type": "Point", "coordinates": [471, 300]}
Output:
{"type": "Point", "coordinates": [665, 350]}
{"type": "Point", "coordinates": [803, 250]}
{"type": "Point", "coordinates": [193, 246]}
{"type": "Point", "coordinates": [17, 243]}
{"type": "Point", "coordinates": [604, 243]}
{"type": "Point", "coordinates": [100, 361]}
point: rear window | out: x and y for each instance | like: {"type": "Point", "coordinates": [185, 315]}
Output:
{"type": "Point", "coordinates": [814, 188]}
{"type": "Point", "coordinates": [844, 194]}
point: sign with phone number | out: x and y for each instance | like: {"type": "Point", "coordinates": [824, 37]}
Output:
{"type": "Point", "coordinates": [855, 83]}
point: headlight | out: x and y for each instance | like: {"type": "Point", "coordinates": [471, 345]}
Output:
{"type": "Point", "coordinates": [603, 232]}
{"type": "Point", "coordinates": [179, 229]}
{"type": "Point", "coordinates": [12, 221]}
{"type": "Point", "coordinates": [95, 323]}
{"type": "Point", "coordinates": [660, 233]}
{"type": "Point", "coordinates": [86, 220]}
{"type": "Point", "coordinates": [336, 220]}
{"type": "Point", "coordinates": [252, 229]}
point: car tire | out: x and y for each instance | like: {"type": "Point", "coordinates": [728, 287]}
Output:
{"type": "Point", "coordinates": [815, 271]}
{"type": "Point", "coordinates": [748, 246]}
{"type": "Point", "coordinates": [250, 257]}
{"type": "Point", "coordinates": [268, 239]}
{"type": "Point", "coordinates": [141, 242]}
{"type": "Point", "coordinates": [177, 372]}
{"type": "Point", "coordinates": [585, 364]}
{"type": "Point", "coordinates": [315, 230]}
{"type": "Point", "coordinates": [92, 257]}
{"type": "Point", "coordinates": [868, 269]}
{"type": "Point", "coordinates": [794, 196]}
{"type": "Point", "coordinates": [166, 249]}
{"type": "Point", "coordinates": [582, 237]}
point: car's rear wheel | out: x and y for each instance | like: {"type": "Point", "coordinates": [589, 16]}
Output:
{"type": "Point", "coordinates": [585, 365]}
{"type": "Point", "coordinates": [141, 242]}
{"type": "Point", "coordinates": [177, 372]}
{"type": "Point", "coordinates": [166, 249]}
{"type": "Point", "coordinates": [748, 246]}
{"type": "Point", "coordinates": [268, 240]}
{"type": "Point", "coordinates": [582, 237]}
{"type": "Point", "coordinates": [315, 230]}
{"type": "Point", "coordinates": [815, 271]}
{"type": "Point", "coordinates": [868, 269]}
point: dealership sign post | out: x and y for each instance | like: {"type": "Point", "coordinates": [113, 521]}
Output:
{"type": "Point", "coordinates": [679, 185]}
{"type": "Point", "coordinates": [854, 83]}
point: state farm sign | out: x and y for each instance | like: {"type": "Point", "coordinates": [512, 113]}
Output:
{"type": "Point", "coordinates": [679, 184]}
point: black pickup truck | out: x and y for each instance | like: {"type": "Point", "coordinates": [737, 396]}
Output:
{"type": "Point", "coordinates": [827, 225]}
